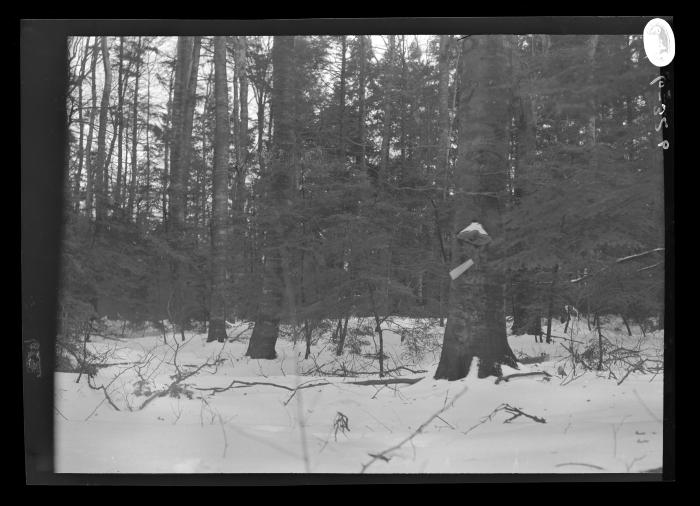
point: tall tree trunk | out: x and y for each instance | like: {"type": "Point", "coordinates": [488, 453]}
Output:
{"type": "Point", "coordinates": [361, 104]}
{"type": "Point", "coordinates": [217, 310]}
{"type": "Point", "coordinates": [235, 116]}
{"type": "Point", "coordinates": [342, 332]}
{"type": "Point", "coordinates": [261, 126]}
{"type": "Point", "coordinates": [120, 126]}
{"type": "Point", "coordinates": [108, 163]}
{"type": "Point", "coordinates": [176, 141]}
{"type": "Point", "coordinates": [185, 74]}
{"type": "Point", "coordinates": [527, 315]}
{"type": "Point", "coordinates": [402, 112]}
{"type": "Point", "coordinates": [148, 144]}
{"type": "Point", "coordinates": [89, 170]}
{"type": "Point", "coordinates": [443, 110]}
{"type": "Point", "coordinates": [387, 116]}
{"type": "Point", "coordinates": [188, 117]}
{"type": "Point", "coordinates": [341, 100]}
{"type": "Point", "coordinates": [443, 152]}
{"type": "Point", "coordinates": [134, 138]}
{"type": "Point", "coordinates": [266, 330]}
{"type": "Point", "coordinates": [476, 326]}
{"type": "Point", "coordinates": [593, 105]}
{"type": "Point", "coordinates": [242, 142]}
{"type": "Point", "coordinates": [81, 156]}
{"type": "Point", "coordinates": [100, 166]}
{"type": "Point", "coordinates": [167, 136]}
{"type": "Point", "coordinates": [200, 198]}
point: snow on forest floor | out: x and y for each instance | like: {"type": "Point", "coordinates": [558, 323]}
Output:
{"type": "Point", "coordinates": [591, 424]}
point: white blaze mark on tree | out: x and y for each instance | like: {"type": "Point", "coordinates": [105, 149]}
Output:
{"type": "Point", "coordinates": [460, 269]}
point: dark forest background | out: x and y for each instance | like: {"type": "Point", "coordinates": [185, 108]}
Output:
{"type": "Point", "coordinates": [306, 180]}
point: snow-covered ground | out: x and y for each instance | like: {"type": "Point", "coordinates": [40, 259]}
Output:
{"type": "Point", "coordinates": [592, 424]}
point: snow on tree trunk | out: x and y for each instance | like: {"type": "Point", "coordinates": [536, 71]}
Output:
{"type": "Point", "coordinates": [476, 325]}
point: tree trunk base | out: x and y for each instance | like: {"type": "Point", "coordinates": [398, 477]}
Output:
{"type": "Point", "coordinates": [262, 342]}
{"type": "Point", "coordinates": [217, 331]}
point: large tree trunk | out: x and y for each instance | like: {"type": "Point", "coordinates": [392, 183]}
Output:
{"type": "Point", "coordinates": [180, 149]}
{"type": "Point", "coordinates": [100, 165]}
{"type": "Point", "coordinates": [217, 310]}
{"type": "Point", "coordinates": [176, 141]}
{"type": "Point", "coordinates": [264, 337]}
{"type": "Point", "coordinates": [476, 326]}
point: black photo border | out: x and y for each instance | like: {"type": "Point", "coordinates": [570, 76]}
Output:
{"type": "Point", "coordinates": [42, 84]}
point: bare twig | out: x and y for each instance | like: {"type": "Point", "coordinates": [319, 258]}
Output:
{"type": "Point", "coordinates": [521, 374]}
{"type": "Point", "coordinates": [180, 376]}
{"type": "Point", "coordinates": [515, 412]}
{"type": "Point", "coordinates": [383, 455]}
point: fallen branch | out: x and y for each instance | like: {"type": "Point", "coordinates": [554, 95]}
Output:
{"type": "Point", "coordinates": [566, 339]}
{"type": "Point", "coordinates": [112, 364]}
{"type": "Point", "coordinates": [245, 384]}
{"type": "Point", "coordinates": [516, 412]}
{"type": "Point", "coordinates": [104, 390]}
{"type": "Point", "coordinates": [639, 366]}
{"type": "Point", "coordinates": [180, 376]}
{"type": "Point", "coordinates": [522, 374]}
{"type": "Point", "coordinates": [383, 455]}
{"type": "Point", "coordinates": [391, 381]}
{"type": "Point", "coordinates": [343, 372]}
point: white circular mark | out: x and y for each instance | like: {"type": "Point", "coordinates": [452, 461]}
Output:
{"type": "Point", "coordinates": [659, 42]}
